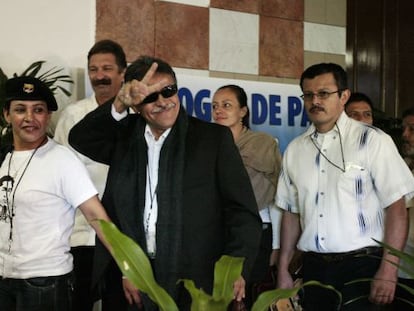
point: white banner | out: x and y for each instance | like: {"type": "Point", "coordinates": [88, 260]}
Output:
{"type": "Point", "coordinates": [275, 108]}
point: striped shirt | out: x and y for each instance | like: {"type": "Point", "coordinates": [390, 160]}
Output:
{"type": "Point", "coordinates": [340, 182]}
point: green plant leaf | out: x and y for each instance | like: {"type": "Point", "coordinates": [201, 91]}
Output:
{"type": "Point", "coordinates": [267, 298]}
{"type": "Point", "coordinates": [65, 91]}
{"type": "Point", "coordinates": [135, 265]}
{"type": "Point", "coordinates": [408, 302]}
{"type": "Point", "coordinates": [407, 288]}
{"type": "Point", "coordinates": [32, 70]}
{"type": "Point", "coordinates": [201, 301]}
{"type": "Point", "coordinates": [226, 271]}
{"type": "Point", "coordinates": [408, 259]}
{"type": "Point", "coordinates": [350, 301]}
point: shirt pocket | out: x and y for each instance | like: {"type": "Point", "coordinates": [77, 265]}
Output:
{"type": "Point", "coordinates": [354, 185]}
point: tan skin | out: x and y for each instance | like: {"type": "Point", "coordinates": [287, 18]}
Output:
{"type": "Point", "coordinates": [227, 112]}
{"type": "Point", "coordinates": [323, 114]}
{"type": "Point", "coordinates": [29, 121]}
{"type": "Point", "coordinates": [103, 66]}
{"type": "Point", "coordinates": [160, 116]}
{"type": "Point", "coordinates": [360, 111]}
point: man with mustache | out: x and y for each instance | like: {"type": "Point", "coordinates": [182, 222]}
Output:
{"type": "Point", "coordinates": [106, 68]}
{"type": "Point", "coordinates": [336, 192]}
{"type": "Point", "coordinates": [176, 185]}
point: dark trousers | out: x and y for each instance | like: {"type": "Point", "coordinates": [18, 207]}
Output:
{"type": "Point", "coordinates": [402, 296]}
{"type": "Point", "coordinates": [113, 298]}
{"type": "Point", "coordinates": [337, 271]}
{"type": "Point", "coordinates": [261, 267]}
{"type": "Point", "coordinates": [82, 269]}
{"type": "Point", "coordinates": [53, 293]}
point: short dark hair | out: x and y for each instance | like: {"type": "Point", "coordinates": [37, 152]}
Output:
{"type": "Point", "coordinates": [241, 98]}
{"type": "Point", "coordinates": [138, 68]}
{"type": "Point", "coordinates": [338, 72]}
{"type": "Point", "coordinates": [111, 47]}
{"type": "Point", "coordinates": [408, 112]}
{"type": "Point", "coordinates": [359, 97]}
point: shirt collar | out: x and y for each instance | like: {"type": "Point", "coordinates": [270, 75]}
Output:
{"type": "Point", "coordinates": [341, 123]}
{"type": "Point", "coordinates": [149, 135]}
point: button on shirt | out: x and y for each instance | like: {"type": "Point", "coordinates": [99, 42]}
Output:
{"type": "Point", "coordinates": [151, 205]}
{"type": "Point", "coordinates": [340, 184]}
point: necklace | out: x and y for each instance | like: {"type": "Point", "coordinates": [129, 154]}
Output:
{"type": "Point", "coordinates": [11, 207]}
{"type": "Point", "coordinates": [14, 169]}
{"type": "Point", "coordinates": [152, 197]}
{"type": "Point", "coordinates": [313, 136]}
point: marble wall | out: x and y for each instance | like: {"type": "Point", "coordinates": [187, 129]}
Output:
{"type": "Point", "coordinates": [261, 40]}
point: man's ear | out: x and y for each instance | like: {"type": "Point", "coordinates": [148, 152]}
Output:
{"type": "Point", "coordinates": [345, 94]}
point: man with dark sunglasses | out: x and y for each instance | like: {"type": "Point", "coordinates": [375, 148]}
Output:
{"type": "Point", "coordinates": [176, 185]}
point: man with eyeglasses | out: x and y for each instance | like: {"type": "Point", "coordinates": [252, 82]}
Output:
{"type": "Point", "coordinates": [176, 185]}
{"type": "Point", "coordinates": [337, 198]}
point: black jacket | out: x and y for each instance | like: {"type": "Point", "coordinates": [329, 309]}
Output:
{"type": "Point", "coordinates": [201, 179]}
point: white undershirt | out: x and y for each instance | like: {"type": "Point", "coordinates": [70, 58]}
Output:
{"type": "Point", "coordinates": [151, 204]}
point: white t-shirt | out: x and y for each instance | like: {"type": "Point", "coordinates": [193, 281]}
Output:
{"type": "Point", "coordinates": [341, 196]}
{"type": "Point", "coordinates": [46, 192]}
{"type": "Point", "coordinates": [82, 234]}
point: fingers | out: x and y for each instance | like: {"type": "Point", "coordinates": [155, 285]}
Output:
{"type": "Point", "coordinates": [136, 297]}
{"type": "Point", "coordinates": [382, 291]}
{"type": "Point", "coordinates": [150, 73]}
{"type": "Point", "coordinates": [131, 293]}
{"type": "Point", "coordinates": [133, 92]}
{"type": "Point", "coordinates": [143, 88]}
{"type": "Point", "coordinates": [239, 289]}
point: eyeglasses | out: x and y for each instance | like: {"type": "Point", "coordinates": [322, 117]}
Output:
{"type": "Point", "coordinates": [321, 95]}
{"type": "Point", "coordinates": [166, 92]}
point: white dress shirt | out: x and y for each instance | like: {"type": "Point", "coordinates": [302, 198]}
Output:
{"type": "Point", "coordinates": [339, 183]}
{"type": "Point", "coordinates": [151, 204]}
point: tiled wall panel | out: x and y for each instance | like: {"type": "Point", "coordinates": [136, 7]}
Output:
{"type": "Point", "coordinates": [263, 39]}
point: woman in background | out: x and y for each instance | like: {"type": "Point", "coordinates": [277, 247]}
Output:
{"type": "Point", "coordinates": [262, 160]}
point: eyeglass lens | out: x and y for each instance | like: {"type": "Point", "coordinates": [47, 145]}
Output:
{"type": "Point", "coordinates": [166, 92]}
{"type": "Point", "coordinates": [320, 95]}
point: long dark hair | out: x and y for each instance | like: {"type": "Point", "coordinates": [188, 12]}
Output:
{"type": "Point", "coordinates": [241, 98]}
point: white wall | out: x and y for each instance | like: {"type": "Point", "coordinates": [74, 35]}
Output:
{"type": "Point", "coordinates": [58, 31]}
{"type": "Point", "coordinates": [61, 31]}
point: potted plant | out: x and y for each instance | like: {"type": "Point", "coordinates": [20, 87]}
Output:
{"type": "Point", "coordinates": [135, 265]}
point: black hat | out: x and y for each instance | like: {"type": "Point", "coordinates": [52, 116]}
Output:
{"type": "Point", "coordinates": [29, 88]}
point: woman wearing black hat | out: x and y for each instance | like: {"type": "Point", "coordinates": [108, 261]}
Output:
{"type": "Point", "coordinates": [45, 183]}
